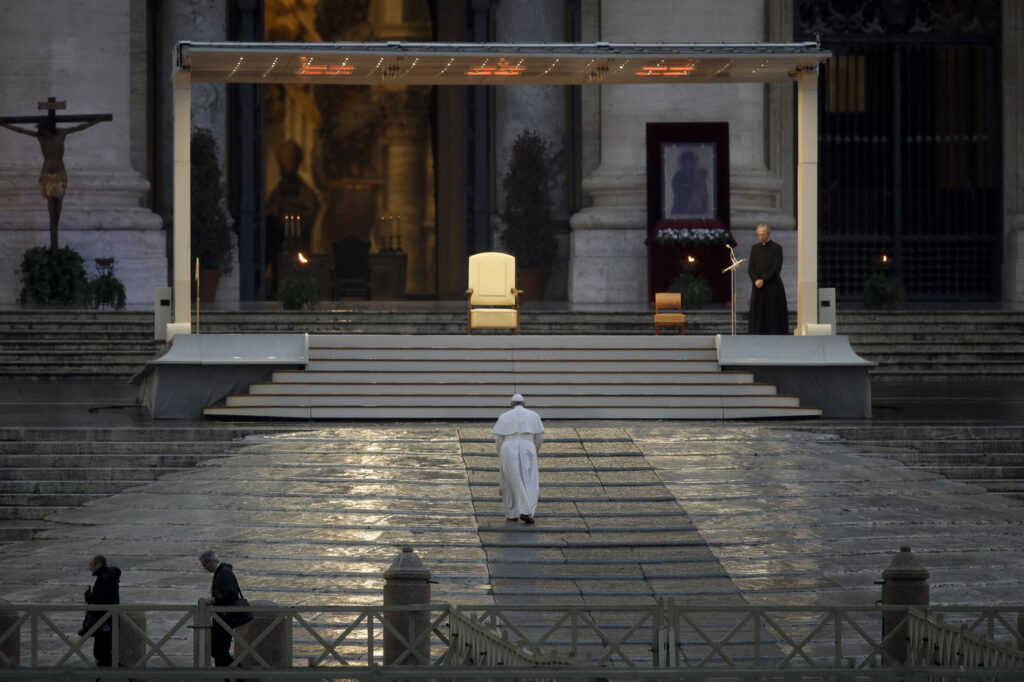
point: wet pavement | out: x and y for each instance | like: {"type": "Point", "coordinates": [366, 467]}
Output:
{"type": "Point", "coordinates": [769, 512]}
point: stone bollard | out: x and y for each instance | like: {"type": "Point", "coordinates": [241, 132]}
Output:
{"type": "Point", "coordinates": [11, 647]}
{"type": "Point", "coordinates": [904, 583]}
{"type": "Point", "coordinates": [407, 582]}
{"type": "Point", "coordinates": [275, 648]}
{"type": "Point", "coordinates": [132, 644]}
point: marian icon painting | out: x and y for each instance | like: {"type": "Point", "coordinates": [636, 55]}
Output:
{"type": "Point", "coordinates": [688, 174]}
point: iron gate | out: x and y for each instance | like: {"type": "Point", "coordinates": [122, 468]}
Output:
{"type": "Point", "coordinates": [910, 142]}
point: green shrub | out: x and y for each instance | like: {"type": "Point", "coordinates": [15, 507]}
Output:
{"type": "Point", "coordinates": [696, 291]}
{"type": "Point", "coordinates": [529, 235]}
{"type": "Point", "coordinates": [52, 280]}
{"type": "Point", "coordinates": [299, 290]}
{"type": "Point", "coordinates": [211, 236]}
{"type": "Point", "coordinates": [883, 291]}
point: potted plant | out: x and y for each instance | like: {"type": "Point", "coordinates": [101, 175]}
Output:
{"type": "Point", "coordinates": [211, 235]}
{"type": "Point", "coordinates": [528, 234]}
{"type": "Point", "coordinates": [882, 290]}
{"type": "Point", "coordinates": [106, 289]}
{"type": "Point", "coordinates": [52, 279]}
{"type": "Point", "coordinates": [695, 290]}
{"type": "Point", "coordinates": [298, 291]}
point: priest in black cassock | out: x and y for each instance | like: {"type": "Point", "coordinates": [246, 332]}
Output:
{"type": "Point", "coordinates": [768, 312]}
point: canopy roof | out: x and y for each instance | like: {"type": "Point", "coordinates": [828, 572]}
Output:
{"type": "Point", "coordinates": [496, 63]}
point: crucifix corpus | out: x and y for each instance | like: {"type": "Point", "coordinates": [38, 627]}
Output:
{"type": "Point", "coordinates": [53, 179]}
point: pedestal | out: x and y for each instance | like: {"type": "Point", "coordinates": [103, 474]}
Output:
{"type": "Point", "coordinates": [387, 275]}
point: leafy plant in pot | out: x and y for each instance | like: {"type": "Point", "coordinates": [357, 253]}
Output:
{"type": "Point", "coordinates": [882, 290]}
{"type": "Point", "coordinates": [106, 290]}
{"type": "Point", "coordinates": [211, 235]}
{"type": "Point", "coordinates": [299, 291]}
{"type": "Point", "coordinates": [52, 279]}
{"type": "Point", "coordinates": [695, 290]}
{"type": "Point", "coordinates": [528, 234]}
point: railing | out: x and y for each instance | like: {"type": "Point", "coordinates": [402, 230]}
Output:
{"type": "Point", "coordinates": [934, 642]}
{"type": "Point", "coordinates": [692, 642]}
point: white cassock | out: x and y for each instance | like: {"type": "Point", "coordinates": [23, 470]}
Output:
{"type": "Point", "coordinates": [518, 434]}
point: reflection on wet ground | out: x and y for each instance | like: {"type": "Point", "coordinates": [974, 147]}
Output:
{"type": "Point", "coordinates": [630, 512]}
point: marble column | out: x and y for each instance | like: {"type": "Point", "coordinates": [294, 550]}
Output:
{"type": "Point", "coordinates": [541, 108]}
{"type": "Point", "coordinates": [609, 259]}
{"type": "Point", "coordinates": [406, 141]}
{"type": "Point", "coordinates": [80, 53]}
{"type": "Point", "coordinates": [1013, 153]}
{"type": "Point", "coordinates": [195, 20]}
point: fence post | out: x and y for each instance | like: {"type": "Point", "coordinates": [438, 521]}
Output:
{"type": "Point", "coordinates": [201, 636]}
{"type": "Point", "coordinates": [904, 583]}
{"type": "Point", "coordinates": [275, 648]}
{"type": "Point", "coordinates": [11, 646]}
{"type": "Point", "coordinates": [407, 582]}
{"type": "Point", "coordinates": [132, 644]}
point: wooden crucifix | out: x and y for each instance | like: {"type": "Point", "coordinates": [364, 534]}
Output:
{"type": "Point", "coordinates": [53, 179]}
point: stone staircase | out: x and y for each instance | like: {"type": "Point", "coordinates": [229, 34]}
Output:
{"type": "Point", "coordinates": [63, 345]}
{"type": "Point", "coordinates": [113, 346]}
{"type": "Point", "coordinates": [471, 377]}
{"type": "Point", "coordinates": [44, 471]}
{"type": "Point", "coordinates": [991, 456]}
{"type": "Point", "coordinates": [930, 346]}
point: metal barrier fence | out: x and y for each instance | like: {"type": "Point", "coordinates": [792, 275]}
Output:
{"type": "Point", "coordinates": [663, 640]}
{"type": "Point", "coordinates": [936, 643]}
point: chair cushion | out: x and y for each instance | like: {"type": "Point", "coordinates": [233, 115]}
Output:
{"type": "Point", "coordinates": [492, 318]}
{"type": "Point", "coordinates": [670, 318]}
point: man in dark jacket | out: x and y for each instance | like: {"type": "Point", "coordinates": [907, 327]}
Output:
{"type": "Point", "coordinates": [224, 592]}
{"type": "Point", "coordinates": [768, 311]}
{"type": "Point", "coordinates": [106, 590]}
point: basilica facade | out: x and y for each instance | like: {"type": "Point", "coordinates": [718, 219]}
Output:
{"type": "Point", "coordinates": [920, 122]}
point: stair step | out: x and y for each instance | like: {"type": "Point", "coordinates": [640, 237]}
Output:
{"type": "Point", "coordinates": [492, 402]}
{"type": "Point", "coordinates": [487, 414]}
{"type": "Point", "coordinates": [92, 472]}
{"type": "Point", "coordinates": [494, 388]}
{"type": "Point", "coordinates": [12, 489]}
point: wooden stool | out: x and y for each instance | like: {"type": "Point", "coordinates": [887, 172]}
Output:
{"type": "Point", "coordinates": [677, 318]}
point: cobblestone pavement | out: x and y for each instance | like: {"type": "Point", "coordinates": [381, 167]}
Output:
{"type": "Point", "coordinates": [629, 511]}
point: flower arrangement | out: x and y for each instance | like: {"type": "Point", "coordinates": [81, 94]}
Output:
{"type": "Point", "coordinates": [693, 236]}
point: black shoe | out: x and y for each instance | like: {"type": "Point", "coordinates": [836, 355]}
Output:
{"type": "Point", "coordinates": [511, 520]}
{"type": "Point", "coordinates": [526, 518]}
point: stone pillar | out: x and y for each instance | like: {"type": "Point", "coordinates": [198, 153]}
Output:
{"type": "Point", "coordinates": [406, 142]}
{"type": "Point", "coordinates": [540, 108]}
{"type": "Point", "coordinates": [1013, 152]}
{"type": "Point", "coordinates": [807, 200]}
{"type": "Point", "coordinates": [407, 583]}
{"type": "Point", "coordinates": [196, 20]}
{"type": "Point", "coordinates": [609, 259]}
{"type": "Point", "coordinates": [79, 53]}
{"type": "Point", "coordinates": [275, 648]}
{"type": "Point", "coordinates": [11, 647]}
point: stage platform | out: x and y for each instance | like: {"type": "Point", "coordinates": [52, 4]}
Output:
{"type": "Point", "coordinates": [447, 377]}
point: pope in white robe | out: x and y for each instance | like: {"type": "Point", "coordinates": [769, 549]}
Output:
{"type": "Point", "coordinates": [518, 435]}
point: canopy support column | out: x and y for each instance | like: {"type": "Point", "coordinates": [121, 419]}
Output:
{"type": "Point", "coordinates": [182, 237]}
{"type": "Point", "coordinates": [807, 199]}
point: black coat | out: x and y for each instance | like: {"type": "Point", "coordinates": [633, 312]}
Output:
{"type": "Point", "coordinates": [224, 589]}
{"type": "Point", "coordinates": [106, 589]}
{"type": "Point", "coordinates": [768, 311]}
